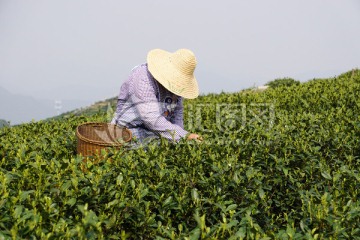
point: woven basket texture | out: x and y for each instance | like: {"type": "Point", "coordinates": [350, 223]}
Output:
{"type": "Point", "coordinates": [93, 137]}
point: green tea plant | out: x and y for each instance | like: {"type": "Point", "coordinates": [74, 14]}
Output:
{"type": "Point", "coordinates": [278, 164]}
{"type": "Point", "coordinates": [282, 82]}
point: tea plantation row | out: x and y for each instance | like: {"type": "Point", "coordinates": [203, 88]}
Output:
{"type": "Point", "coordinates": [278, 164]}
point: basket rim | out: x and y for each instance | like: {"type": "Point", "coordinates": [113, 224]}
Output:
{"type": "Point", "coordinates": [81, 137]}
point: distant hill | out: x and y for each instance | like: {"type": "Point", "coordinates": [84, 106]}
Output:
{"type": "Point", "coordinates": [4, 123]}
{"type": "Point", "coordinates": [21, 109]}
{"type": "Point", "coordinates": [98, 107]}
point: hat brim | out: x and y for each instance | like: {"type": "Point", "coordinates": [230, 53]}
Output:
{"type": "Point", "coordinates": [162, 69]}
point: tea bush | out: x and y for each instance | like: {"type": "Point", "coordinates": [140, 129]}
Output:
{"type": "Point", "coordinates": [282, 82]}
{"type": "Point", "coordinates": [290, 173]}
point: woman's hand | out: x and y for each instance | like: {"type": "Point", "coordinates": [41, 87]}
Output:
{"type": "Point", "coordinates": [194, 136]}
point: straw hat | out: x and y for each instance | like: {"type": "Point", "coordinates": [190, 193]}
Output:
{"type": "Point", "coordinates": [175, 71]}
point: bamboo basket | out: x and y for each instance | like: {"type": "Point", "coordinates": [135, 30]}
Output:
{"type": "Point", "coordinates": [92, 137]}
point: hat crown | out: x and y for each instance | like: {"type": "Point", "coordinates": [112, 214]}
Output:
{"type": "Point", "coordinates": [184, 60]}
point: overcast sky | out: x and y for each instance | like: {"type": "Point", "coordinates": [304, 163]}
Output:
{"type": "Point", "coordinates": [85, 49]}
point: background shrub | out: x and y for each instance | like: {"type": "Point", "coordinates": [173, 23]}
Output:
{"type": "Point", "coordinates": [282, 82]}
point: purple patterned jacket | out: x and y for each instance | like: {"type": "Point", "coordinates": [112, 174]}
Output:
{"type": "Point", "coordinates": [148, 109]}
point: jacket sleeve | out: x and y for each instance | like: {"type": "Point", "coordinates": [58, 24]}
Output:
{"type": "Point", "coordinates": [149, 110]}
